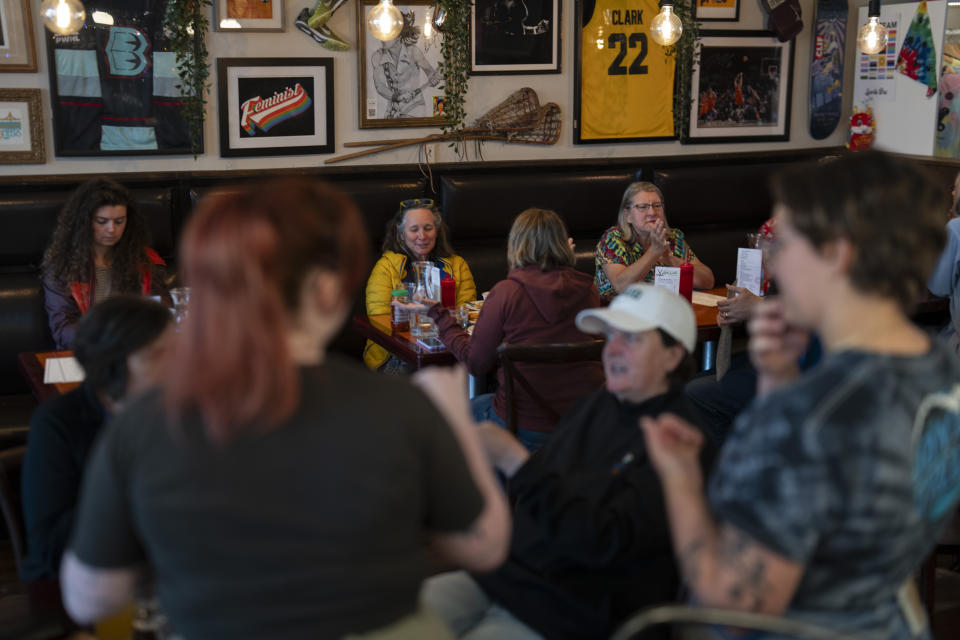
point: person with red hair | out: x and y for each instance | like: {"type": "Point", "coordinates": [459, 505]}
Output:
{"type": "Point", "coordinates": [265, 485]}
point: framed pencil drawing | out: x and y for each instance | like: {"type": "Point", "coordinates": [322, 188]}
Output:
{"type": "Point", "coordinates": [17, 52]}
{"type": "Point", "coordinates": [718, 10]}
{"type": "Point", "coordinates": [400, 80]}
{"type": "Point", "coordinates": [21, 127]}
{"type": "Point", "coordinates": [248, 15]}
{"type": "Point", "coordinates": [741, 88]}
{"type": "Point", "coordinates": [515, 36]}
{"type": "Point", "coordinates": [275, 106]}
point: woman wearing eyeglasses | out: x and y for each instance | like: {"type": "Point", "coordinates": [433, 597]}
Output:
{"type": "Point", "coordinates": [640, 241]}
{"type": "Point", "coordinates": [415, 233]}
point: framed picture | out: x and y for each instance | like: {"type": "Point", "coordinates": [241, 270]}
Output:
{"type": "Point", "coordinates": [114, 84]}
{"type": "Point", "coordinates": [248, 15]}
{"type": "Point", "coordinates": [21, 127]}
{"type": "Point", "coordinates": [17, 52]}
{"type": "Point", "coordinates": [400, 79]}
{"type": "Point", "coordinates": [718, 10]}
{"type": "Point", "coordinates": [741, 88]}
{"type": "Point", "coordinates": [623, 81]}
{"type": "Point", "coordinates": [275, 106]}
{"type": "Point", "coordinates": [510, 37]}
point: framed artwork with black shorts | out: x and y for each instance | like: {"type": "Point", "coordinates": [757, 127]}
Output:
{"type": "Point", "coordinates": [515, 36]}
{"type": "Point", "coordinates": [741, 88]}
{"type": "Point", "coordinates": [400, 80]}
{"type": "Point", "coordinates": [17, 53]}
{"type": "Point", "coordinates": [623, 80]}
{"type": "Point", "coordinates": [718, 10]}
{"type": "Point", "coordinates": [275, 106]}
{"type": "Point", "coordinates": [114, 88]}
{"type": "Point", "coordinates": [248, 15]}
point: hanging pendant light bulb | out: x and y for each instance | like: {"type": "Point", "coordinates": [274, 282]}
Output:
{"type": "Point", "coordinates": [63, 17]}
{"type": "Point", "coordinates": [873, 35]}
{"type": "Point", "coordinates": [384, 21]}
{"type": "Point", "coordinates": [666, 28]}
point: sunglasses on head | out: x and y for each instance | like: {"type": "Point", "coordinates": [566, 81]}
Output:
{"type": "Point", "coordinates": [417, 203]}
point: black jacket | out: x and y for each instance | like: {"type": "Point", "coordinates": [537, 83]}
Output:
{"type": "Point", "coordinates": [591, 542]}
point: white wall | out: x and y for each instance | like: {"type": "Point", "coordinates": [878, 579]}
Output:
{"type": "Point", "coordinates": [485, 92]}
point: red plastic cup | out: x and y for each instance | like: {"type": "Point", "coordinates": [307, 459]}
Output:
{"type": "Point", "coordinates": [448, 292]}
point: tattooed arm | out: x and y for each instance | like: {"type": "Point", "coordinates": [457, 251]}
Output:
{"type": "Point", "coordinates": [721, 565]}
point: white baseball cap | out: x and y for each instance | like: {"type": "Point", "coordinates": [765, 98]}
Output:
{"type": "Point", "coordinates": [642, 307]}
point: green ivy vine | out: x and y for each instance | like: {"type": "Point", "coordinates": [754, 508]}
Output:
{"type": "Point", "coordinates": [685, 52]}
{"type": "Point", "coordinates": [455, 63]}
{"type": "Point", "coordinates": [186, 25]}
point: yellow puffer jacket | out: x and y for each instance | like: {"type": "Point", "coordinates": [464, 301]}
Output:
{"type": "Point", "coordinates": [388, 274]}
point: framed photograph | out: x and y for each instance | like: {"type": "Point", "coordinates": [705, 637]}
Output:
{"type": "Point", "coordinates": [248, 15]}
{"type": "Point", "coordinates": [21, 127]}
{"type": "Point", "coordinates": [718, 10]}
{"type": "Point", "coordinates": [400, 79]}
{"type": "Point", "coordinates": [623, 81]}
{"type": "Point", "coordinates": [114, 85]}
{"type": "Point", "coordinates": [17, 53]}
{"type": "Point", "coordinates": [741, 88]}
{"type": "Point", "coordinates": [515, 36]}
{"type": "Point", "coordinates": [275, 106]}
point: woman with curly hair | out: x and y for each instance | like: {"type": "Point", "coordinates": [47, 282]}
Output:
{"type": "Point", "coordinates": [99, 247]}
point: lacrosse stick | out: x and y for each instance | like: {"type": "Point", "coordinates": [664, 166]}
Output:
{"type": "Point", "coordinates": [518, 112]}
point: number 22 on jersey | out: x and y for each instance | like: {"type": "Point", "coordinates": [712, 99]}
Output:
{"type": "Point", "coordinates": [626, 81]}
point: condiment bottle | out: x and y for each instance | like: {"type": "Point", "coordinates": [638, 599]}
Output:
{"type": "Point", "coordinates": [448, 293]}
{"type": "Point", "coordinates": [399, 317]}
{"type": "Point", "coordinates": [686, 280]}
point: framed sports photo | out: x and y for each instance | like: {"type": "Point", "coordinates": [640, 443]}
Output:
{"type": "Point", "coordinates": [275, 106]}
{"type": "Point", "coordinates": [515, 36]}
{"type": "Point", "coordinates": [741, 88]}
{"type": "Point", "coordinates": [718, 10]}
{"type": "Point", "coordinates": [400, 80]}
{"type": "Point", "coordinates": [114, 88]}
{"type": "Point", "coordinates": [21, 127]}
{"type": "Point", "coordinates": [17, 53]}
{"type": "Point", "coordinates": [623, 80]}
{"type": "Point", "coordinates": [248, 15]}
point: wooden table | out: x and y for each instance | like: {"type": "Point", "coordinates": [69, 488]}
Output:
{"type": "Point", "coordinates": [32, 364]}
{"type": "Point", "coordinates": [401, 344]}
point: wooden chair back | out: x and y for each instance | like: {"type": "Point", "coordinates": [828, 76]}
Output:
{"type": "Point", "coordinates": [562, 353]}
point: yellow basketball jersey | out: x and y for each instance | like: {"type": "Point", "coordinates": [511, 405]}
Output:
{"type": "Point", "coordinates": [626, 86]}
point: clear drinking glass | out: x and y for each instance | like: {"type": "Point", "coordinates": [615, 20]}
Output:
{"type": "Point", "coordinates": [181, 303]}
{"type": "Point", "coordinates": [462, 315]}
{"type": "Point", "coordinates": [421, 325]}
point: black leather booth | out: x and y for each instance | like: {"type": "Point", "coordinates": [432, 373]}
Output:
{"type": "Point", "coordinates": [715, 200]}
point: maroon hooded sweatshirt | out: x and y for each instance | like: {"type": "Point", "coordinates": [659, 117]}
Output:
{"type": "Point", "coordinates": [530, 307]}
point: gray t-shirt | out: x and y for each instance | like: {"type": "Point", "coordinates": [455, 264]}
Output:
{"type": "Point", "coordinates": [853, 472]}
{"type": "Point", "coordinates": [313, 530]}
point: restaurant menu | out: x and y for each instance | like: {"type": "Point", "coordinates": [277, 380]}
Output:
{"type": "Point", "coordinates": [57, 370]}
{"type": "Point", "coordinates": [667, 277]}
{"type": "Point", "coordinates": [750, 270]}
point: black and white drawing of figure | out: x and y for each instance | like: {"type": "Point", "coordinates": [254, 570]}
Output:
{"type": "Point", "coordinates": [401, 73]}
